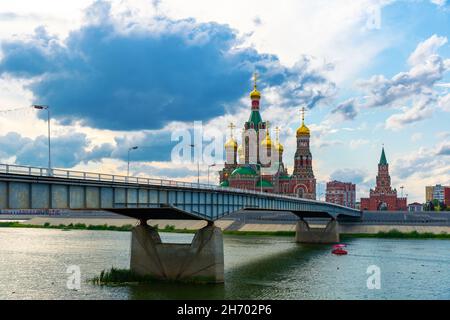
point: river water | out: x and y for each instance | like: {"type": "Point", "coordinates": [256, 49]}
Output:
{"type": "Point", "coordinates": [34, 263]}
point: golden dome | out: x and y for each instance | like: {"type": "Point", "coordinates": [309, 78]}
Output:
{"type": "Point", "coordinates": [267, 142]}
{"type": "Point", "coordinates": [240, 150]}
{"type": "Point", "coordinates": [303, 130]}
{"type": "Point", "coordinates": [255, 94]}
{"type": "Point", "coordinates": [279, 147]}
{"type": "Point", "coordinates": [231, 143]}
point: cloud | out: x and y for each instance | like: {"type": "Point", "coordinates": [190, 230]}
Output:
{"type": "Point", "coordinates": [424, 163]}
{"type": "Point", "coordinates": [439, 3]}
{"type": "Point", "coordinates": [426, 49]}
{"type": "Point", "coordinates": [420, 110]}
{"type": "Point", "coordinates": [349, 175]}
{"type": "Point", "coordinates": [128, 76]}
{"type": "Point", "coordinates": [426, 69]}
{"type": "Point", "coordinates": [347, 109]}
{"type": "Point", "coordinates": [356, 143]}
{"type": "Point", "coordinates": [412, 91]}
{"type": "Point", "coordinates": [67, 150]}
{"type": "Point", "coordinates": [444, 149]}
{"type": "Point", "coordinates": [163, 171]}
{"type": "Point", "coordinates": [444, 102]}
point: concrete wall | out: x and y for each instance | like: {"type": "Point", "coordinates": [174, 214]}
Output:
{"type": "Point", "coordinates": [307, 234]}
{"type": "Point", "coordinates": [200, 261]}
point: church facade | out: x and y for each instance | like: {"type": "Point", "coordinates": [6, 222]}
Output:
{"type": "Point", "coordinates": [257, 164]}
{"type": "Point", "coordinates": [383, 197]}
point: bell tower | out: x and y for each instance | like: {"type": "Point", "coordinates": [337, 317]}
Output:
{"type": "Point", "coordinates": [304, 182]}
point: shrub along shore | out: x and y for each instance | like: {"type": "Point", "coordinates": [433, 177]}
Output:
{"type": "Point", "coordinates": [392, 234]}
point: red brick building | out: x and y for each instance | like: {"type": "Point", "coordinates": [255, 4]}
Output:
{"type": "Point", "coordinates": [447, 196]}
{"type": "Point", "coordinates": [246, 166]}
{"type": "Point", "coordinates": [343, 193]}
{"type": "Point", "coordinates": [383, 197]}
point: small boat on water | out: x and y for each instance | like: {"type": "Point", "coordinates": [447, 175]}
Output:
{"type": "Point", "coordinates": [338, 249]}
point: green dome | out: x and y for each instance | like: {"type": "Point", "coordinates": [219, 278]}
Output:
{"type": "Point", "coordinates": [225, 183]}
{"type": "Point", "coordinates": [264, 183]}
{"type": "Point", "coordinates": [245, 171]}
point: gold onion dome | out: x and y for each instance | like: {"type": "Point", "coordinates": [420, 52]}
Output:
{"type": "Point", "coordinates": [255, 94]}
{"type": "Point", "coordinates": [267, 142]}
{"type": "Point", "coordinates": [231, 143]}
{"type": "Point", "coordinates": [303, 130]}
{"type": "Point", "coordinates": [279, 147]}
{"type": "Point", "coordinates": [240, 150]}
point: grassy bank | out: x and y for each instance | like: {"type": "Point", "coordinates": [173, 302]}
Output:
{"type": "Point", "coordinates": [395, 234]}
{"type": "Point", "coordinates": [128, 227]}
{"type": "Point", "coordinates": [117, 277]}
{"type": "Point", "coordinates": [392, 234]}
{"type": "Point", "coordinates": [76, 226]}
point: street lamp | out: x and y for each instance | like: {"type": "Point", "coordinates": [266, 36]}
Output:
{"type": "Point", "coordinates": [128, 167]}
{"type": "Point", "coordinates": [43, 107]}
{"type": "Point", "coordinates": [198, 166]}
{"type": "Point", "coordinates": [209, 166]}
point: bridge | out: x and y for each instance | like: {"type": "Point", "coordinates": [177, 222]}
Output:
{"type": "Point", "coordinates": [25, 187]}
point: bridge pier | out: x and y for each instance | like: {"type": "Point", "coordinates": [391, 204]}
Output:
{"type": "Point", "coordinates": [305, 234]}
{"type": "Point", "coordinates": [200, 261]}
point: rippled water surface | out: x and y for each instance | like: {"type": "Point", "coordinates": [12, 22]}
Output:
{"type": "Point", "coordinates": [34, 262]}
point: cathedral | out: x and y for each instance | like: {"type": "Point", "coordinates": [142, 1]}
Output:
{"type": "Point", "coordinates": [257, 164]}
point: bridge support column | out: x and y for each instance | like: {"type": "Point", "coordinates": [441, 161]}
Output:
{"type": "Point", "coordinates": [305, 234]}
{"type": "Point", "coordinates": [200, 261]}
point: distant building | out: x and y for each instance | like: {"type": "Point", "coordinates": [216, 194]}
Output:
{"type": "Point", "coordinates": [343, 193]}
{"type": "Point", "coordinates": [437, 192]}
{"type": "Point", "coordinates": [429, 193]}
{"type": "Point", "coordinates": [383, 197]}
{"type": "Point", "coordinates": [415, 207]}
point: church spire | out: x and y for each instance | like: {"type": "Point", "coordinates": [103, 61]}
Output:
{"type": "Point", "coordinates": [383, 160]}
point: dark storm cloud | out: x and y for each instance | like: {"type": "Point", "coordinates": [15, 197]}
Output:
{"type": "Point", "coordinates": [128, 77]}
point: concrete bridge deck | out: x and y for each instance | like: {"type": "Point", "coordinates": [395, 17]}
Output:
{"type": "Point", "coordinates": [23, 187]}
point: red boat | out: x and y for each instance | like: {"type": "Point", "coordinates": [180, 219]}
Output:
{"type": "Point", "coordinates": [338, 249]}
{"type": "Point", "coordinates": [339, 252]}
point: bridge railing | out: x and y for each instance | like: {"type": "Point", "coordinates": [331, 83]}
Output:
{"type": "Point", "coordinates": [103, 177]}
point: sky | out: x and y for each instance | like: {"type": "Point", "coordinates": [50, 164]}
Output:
{"type": "Point", "coordinates": [125, 73]}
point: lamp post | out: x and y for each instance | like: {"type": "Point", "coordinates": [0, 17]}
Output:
{"type": "Point", "coordinates": [198, 166]}
{"type": "Point", "coordinates": [209, 166]}
{"type": "Point", "coordinates": [44, 107]}
{"type": "Point", "coordinates": [128, 166]}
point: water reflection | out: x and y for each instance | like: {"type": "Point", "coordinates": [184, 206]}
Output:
{"type": "Point", "coordinates": [33, 264]}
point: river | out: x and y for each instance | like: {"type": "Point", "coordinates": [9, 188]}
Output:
{"type": "Point", "coordinates": [34, 265]}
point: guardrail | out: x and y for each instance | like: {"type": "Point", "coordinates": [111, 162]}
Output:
{"type": "Point", "coordinates": [102, 177]}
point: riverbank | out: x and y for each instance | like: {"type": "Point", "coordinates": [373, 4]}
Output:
{"type": "Point", "coordinates": [388, 232]}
